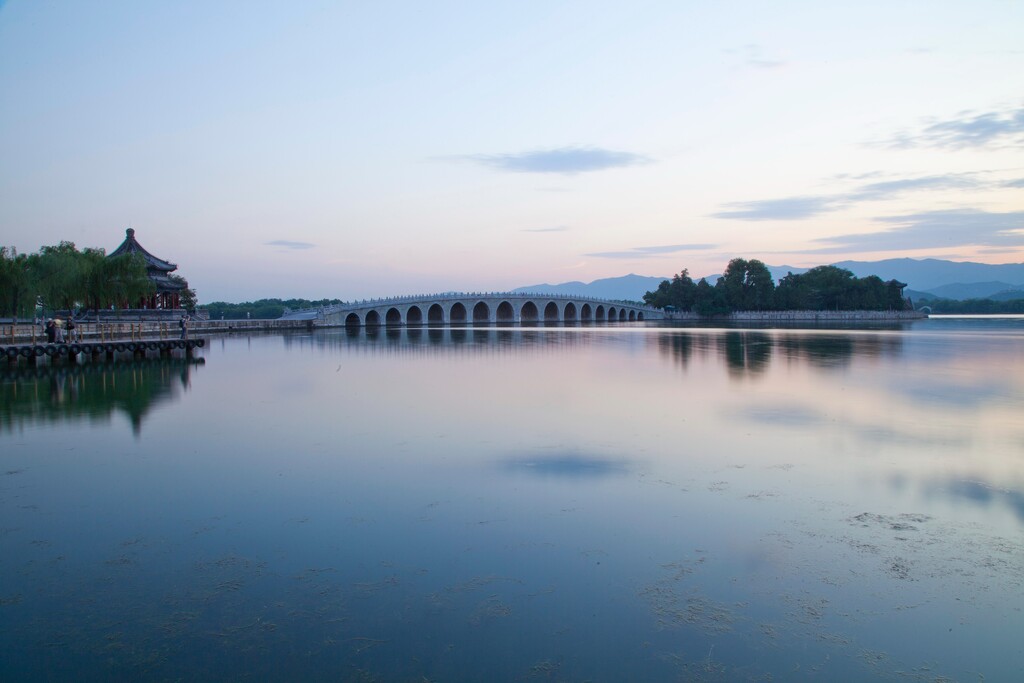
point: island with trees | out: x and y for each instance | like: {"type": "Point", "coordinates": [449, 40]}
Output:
{"type": "Point", "coordinates": [748, 286]}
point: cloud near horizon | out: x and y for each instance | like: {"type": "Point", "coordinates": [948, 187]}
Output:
{"type": "Point", "coordinates": [557, 228]}
{"type": "Point", "coordinates": [651, 252]}
{"type": "Point", "coordinates": [932, 230]}
{"type": "Point", "coordinates": [800, 208]}
{"type": "Point", "coordinates": [565, 160]}
{"type": "Point", "coordinates": [289, 244]}
{"type": "Point", "coordinates": [788, 208]}
{"type": "Point", "coordinates": [753, 55]}
{"type": "Point", "coordinates": [888, 188]}
{"type": "Point", "coordinates": [1003, 128]}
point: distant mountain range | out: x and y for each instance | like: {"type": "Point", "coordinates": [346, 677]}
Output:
{"type": "Point", "coordinates": [925, 278]}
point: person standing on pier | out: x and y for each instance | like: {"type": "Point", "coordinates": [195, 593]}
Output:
{"type": "Point", "coordinates": [183, 323]}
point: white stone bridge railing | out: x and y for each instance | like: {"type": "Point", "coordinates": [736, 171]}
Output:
{"type": "Point", "coordinates": [456, 308]}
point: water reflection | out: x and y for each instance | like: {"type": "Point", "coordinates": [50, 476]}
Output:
{"type": "Point", "coordinates": [977, 491]}
{"type": "Point", "coordinates": [92, 391]}
{"type": "Point", "coordinates": [566, 465]}
{"type": "Point", "coordinates": [750, 353]}
{"type": "Point", "coordinates": [514, 504]}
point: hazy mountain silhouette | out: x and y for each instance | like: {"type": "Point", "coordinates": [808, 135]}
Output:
{"type": "Point", "coordinates": [932, 277]}
{"type": "Point", "coordinates": [927, 274]}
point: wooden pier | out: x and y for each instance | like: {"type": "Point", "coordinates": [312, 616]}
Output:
{"type": "Point", "coordinates": [73, 351]}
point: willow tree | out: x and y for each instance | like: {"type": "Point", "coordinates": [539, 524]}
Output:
{"type": "Point", "coordinates": [120, 280]}
{"type": "Point", "coordinates": [57, 274]}
{"type": "Point", "coordinates": [15, 283]}
{"type": "Point", "coordinates": [66, 278]}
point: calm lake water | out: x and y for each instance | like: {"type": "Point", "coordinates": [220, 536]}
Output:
{"type": "Point", "coordinates": [549, 504]}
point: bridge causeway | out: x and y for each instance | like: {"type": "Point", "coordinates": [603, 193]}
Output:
{"type": "Point", "coordinates": [479, 308]}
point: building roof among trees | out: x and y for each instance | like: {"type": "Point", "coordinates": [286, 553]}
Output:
{"type": "Point", "coordinates": [157, 268]}
{"type": "Point", "coordinates": [132, 246]}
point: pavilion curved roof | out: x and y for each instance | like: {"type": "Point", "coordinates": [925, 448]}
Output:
{"type": "Point", "coordinates": [131, 246]}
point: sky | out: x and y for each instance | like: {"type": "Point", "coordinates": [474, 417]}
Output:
{"type": "Point", "coordinates": [358, 149]}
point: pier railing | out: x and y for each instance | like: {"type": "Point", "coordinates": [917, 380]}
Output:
{"type": "Point", "coordinates": [29, 333]}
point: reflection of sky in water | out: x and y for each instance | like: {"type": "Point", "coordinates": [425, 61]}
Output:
{"type": "Point", "coordinates": [569, 465]}
{"type": "Point", "coordinates": [529, 504]}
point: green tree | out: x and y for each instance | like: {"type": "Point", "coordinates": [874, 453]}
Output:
{"type": "Point", "coordinates": [15, 283]}
{"type": "Point", "coordinates": [708, 300]}
{"type": "Point", "coordinates": [747, 285]}
{"type": "Point", "coordinates": [57, 275]}
{"type": "Point", "coordinates": [187, 296]}
{"type": "Point", "coordinates": [680, 293]}
{"type": "Point", "coordinates": [125, 281]}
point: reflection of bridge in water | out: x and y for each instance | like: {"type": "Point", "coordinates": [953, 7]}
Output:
{"type": "Point", "coordinates": [743, 351]}
{"type": "Point", "coordinates": [494, 308]}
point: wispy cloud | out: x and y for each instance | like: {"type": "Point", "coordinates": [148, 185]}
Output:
{"type": "Point", "coordinates": [566, 160]}
{"type": "Point", "coordinates": [934, 230]}
{"type": "Point", "coordinates": [800, 208]}
{"type": "Point", "coordinates": [651, 252]}
{"type": "Point", "coordinates": [1019, 182]}
{"type": "Point", "coordinates": [754, 55]}
{"type": "Point", "coordinates": [289, 244]}
{"type": "Point", "coordinates": [888, 188]}
{"type": "Point", "coordinates": [557, 228]}
{"type": "Point", "coordinates": [789, 208]}
{"type": "Point", "coordinates": [1003, 128]}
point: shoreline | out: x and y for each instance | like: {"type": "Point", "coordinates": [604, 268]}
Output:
{"type": "Point", "coordinates": [801, 316]}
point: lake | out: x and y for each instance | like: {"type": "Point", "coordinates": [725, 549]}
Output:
{"type": "Point", "coordinates": [606, 503]}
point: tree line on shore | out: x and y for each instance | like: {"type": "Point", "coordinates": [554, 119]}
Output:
{"type": "Point", "coordinates": [263, 309]}
{"type": "Point", "coordinates": [749, 286]}
{"type": "Point", "coordinates": [976, 306]}
{"type": "Point", "coordinates": [61, 277]}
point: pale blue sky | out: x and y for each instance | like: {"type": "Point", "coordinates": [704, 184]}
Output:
{"type": "Point", "coordinates": [360, 149]}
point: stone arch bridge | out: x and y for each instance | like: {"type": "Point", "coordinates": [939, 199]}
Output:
{"type": "Point", "coordinates": [492, 308]}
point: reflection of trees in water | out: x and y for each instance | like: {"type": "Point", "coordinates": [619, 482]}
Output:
{"type": "Point", "coordinates": [746, 352]}
{"type": "Point", "coordinates": [93, 391]}
{"type": "Point", "coordinates": [428, 340]}
{"type": "Point", "coordinates": [827, 350]}
{"type": "Point", "coordinates": [750, 352]}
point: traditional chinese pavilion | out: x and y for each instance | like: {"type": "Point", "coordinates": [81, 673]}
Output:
{"type": "Point", "coordinates": [168, 291]}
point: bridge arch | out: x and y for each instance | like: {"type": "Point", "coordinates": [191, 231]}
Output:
{"type": "Point", "coordinates": [481, 314]}
{"type": "Point", "coordinates": [457, 314]}
{"type": "Point", "coordinates": [506, 308]}
{"type": "Point", "coordinates": [505, 313]}
{"type": "Point", "coordinates": [551, 312]}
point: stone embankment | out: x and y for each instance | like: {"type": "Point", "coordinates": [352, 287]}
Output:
{"type": "Point", "coordinates": [803, 316]}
